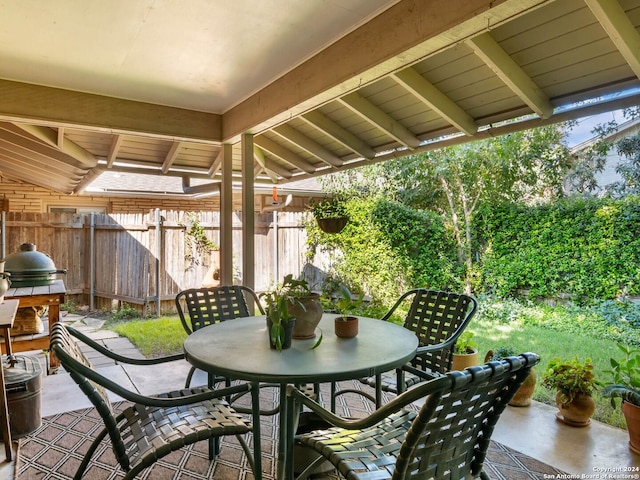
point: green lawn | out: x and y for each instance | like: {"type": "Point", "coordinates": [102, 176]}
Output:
{"type": "Point", "coordinates": [549, 331]}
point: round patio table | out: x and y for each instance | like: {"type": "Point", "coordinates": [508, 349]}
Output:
{"type": "Point", "coordinates": [239, 349]}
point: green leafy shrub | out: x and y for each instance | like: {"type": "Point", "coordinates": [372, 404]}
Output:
{"type": "Point", "coordinates": [126, 311]}
{"type": "Point", "coordinates": [388, 248]}
{"type": "Point", "coordinates": [587, 248]}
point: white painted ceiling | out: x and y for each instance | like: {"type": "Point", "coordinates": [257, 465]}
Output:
{"type": "Point", "coordinates": [205, 55]}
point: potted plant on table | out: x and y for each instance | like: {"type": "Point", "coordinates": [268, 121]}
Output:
{"type": "Point", "coordinates": [524, 394]}
{"type": "Point", "coordinates": [465, 352]}
{"type": "Point", "coordinates": [331, 215]}
{"type": "Point", "coordinates": [280, 321]}
{"type": "Point", "coordinates": [625, 376]}
{"type": "Point", "coordinates": [574, 382]}
{"type": "Point", "coordinates": [346, 326]}
{"type": "Point", "coordinates": [305, 306]}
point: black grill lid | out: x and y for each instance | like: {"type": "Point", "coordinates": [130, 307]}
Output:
{"type": "Point", "coordinates": [29, 261]}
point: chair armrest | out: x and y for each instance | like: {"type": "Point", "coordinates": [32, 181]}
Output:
{"type": "Point", "coordinates": [152, 401]}
{"type": "Point", "coordinates": [120, 358]}
{"type": "Point", "coordinates": [401, 401]}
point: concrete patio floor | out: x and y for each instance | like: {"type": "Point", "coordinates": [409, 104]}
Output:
{"type": "Point", "coordinates": [533, 430]}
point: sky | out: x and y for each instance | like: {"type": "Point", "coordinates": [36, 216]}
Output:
{"type": "Point", "coordinates": [583, 131]}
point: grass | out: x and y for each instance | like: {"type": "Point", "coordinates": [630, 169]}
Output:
{"type": "Point", "coordinates": [153, 337]}
{"type": "Point", "coordinates": [563, 332]}
{"type": "Point", "coordinates": [550, 344]}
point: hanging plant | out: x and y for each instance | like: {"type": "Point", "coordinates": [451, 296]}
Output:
{"type": "Point", "coordinates": [331, 215]}
{"type": "Point", "coordinates": [196, 241]}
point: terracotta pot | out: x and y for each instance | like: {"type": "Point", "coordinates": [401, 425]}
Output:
{"type": "Point", "coordinates": [632, 416]}
{"type": "Point", "coordinates": [346, 328]}
{"type": "Point", "coordinates": [523, 396]}
{"type": "Point", "coordinates": [307, 318]}
{"type": "Point", "coordinates": [576, 413]}
{"type": "Point", "coordinates": [464, 360]}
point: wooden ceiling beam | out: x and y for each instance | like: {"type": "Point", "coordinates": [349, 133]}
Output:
{"type": "Point", "coordinates": [377, 117]}
{"type": "Point", "coordinates": [494, 56]}
{"type": "Point", "coordinates": [297, 138]}
{"type": "Point", "coordinates": [58, 107]}
{"type": "Point", "coordinates": [437, 101]}
{"type": "Point", "coordinates": [404, 34]}
{"type": "Point", "coordinates": [171, 156]}
{"type": "Point", "coordinates": [53, 139]}
{"type": "Point", "coordinates": [339, 134]}
{"type": "Point", "coordinates": [12, 138]}
{"type": "Point", "coordinates": [619, 29]}
{"type": "Point", "coordinates": [113, 150]}
{"type": "Point", "coordinates": [87, 180]}
{"type": "Point", "coordinates": [261, 160]}
{"type": "Point", "coordinates": [283, 153]}
{"type": "Point", "coordinates": [216, 164]}
{"type": "Point", "coordinates": [271, 166]}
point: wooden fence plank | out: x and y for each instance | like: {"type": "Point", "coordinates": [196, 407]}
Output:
{"type": "Point", "coordinates": [124, 248]}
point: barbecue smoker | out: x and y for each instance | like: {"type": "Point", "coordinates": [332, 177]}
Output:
{"type": "Point", "coordinates": [30, 268]}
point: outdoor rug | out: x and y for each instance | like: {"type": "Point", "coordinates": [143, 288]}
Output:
{"type": "Point", "coordinates": [55, 450]}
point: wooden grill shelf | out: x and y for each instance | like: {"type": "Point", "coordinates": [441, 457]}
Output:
{"type": "Point", "coordinates": [51, 296]}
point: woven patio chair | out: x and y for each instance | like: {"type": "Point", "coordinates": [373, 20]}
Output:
{"type": "Point", "coordinates": [209, 305]}
{"type": "Point", "coordinates": [447, 439]}
{"type": "Point", "coordinates": [153, 426]}
{"type": "Point", "coordinates": [437, 318]}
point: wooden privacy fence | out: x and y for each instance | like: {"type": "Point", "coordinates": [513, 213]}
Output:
{"type": "Point", "coordinates": [121, 258]}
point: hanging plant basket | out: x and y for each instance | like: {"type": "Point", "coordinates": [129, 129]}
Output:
{"type": "Point", "coordinates": [332, 225]}
{"type": "Point", "coordinates": [331, 215]}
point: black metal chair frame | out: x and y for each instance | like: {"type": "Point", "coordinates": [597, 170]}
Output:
{"type": "Point", "coordinates": [448, 438]}
{"type": "Point", "coordinates": [153, 426]}
{"type": "Point", "coordinates": [209, 305]}
{"type": "Point", "coordinates": [438, 318]}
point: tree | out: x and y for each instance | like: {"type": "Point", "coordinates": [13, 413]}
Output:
{"type": "Point", "coordinates": [629, 168]}
{"type": "Point", "coordinates": [523, 166]}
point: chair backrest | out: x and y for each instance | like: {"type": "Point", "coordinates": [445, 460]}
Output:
{"type": "Point", "coordinates": [436, 317]}
{"type": "Point", "coordinates": [209, 305]}
{"type": "Point", "coordinates": [450, 435]}
{"type": "Point", "coordinates": [81, 370]}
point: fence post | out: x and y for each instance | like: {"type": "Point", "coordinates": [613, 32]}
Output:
{"type": "Point", "coordinates": [158, 222]}
{"type": "Point", "coordinates": [92, 261]}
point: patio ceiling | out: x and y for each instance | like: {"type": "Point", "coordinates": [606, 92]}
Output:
{"type": "Point", "coordinates": [158, 86]}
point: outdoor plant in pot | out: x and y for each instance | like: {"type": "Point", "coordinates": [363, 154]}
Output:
{"type": "Point", "coordinates": [574, 382]}
{"type": "Point", "coordinates": [330, 214]}
{"type": "Point", "coordinates": [465, 353]}
{"type": "Point", "coordinates": [305, 306]}
{"type": "Point", "coordinates": [625, 376]}
{"type": "Point", "coordinates": [523, 396]}
{"type": "Point", "coordinates": [280, 321]}
{"type": "Point", "coordinates": [345, 325]}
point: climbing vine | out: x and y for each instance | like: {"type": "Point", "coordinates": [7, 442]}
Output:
{"type": "Point", "coordinates": [196, 241]}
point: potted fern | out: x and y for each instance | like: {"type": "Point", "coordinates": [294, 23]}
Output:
{"type": "Point", "coordinates": [625, 376]}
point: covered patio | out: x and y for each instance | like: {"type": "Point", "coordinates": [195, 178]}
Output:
{"type": "Point", "coordinates": [531, 431]}
{"type": "Point", "coordinates": [232, 98]}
